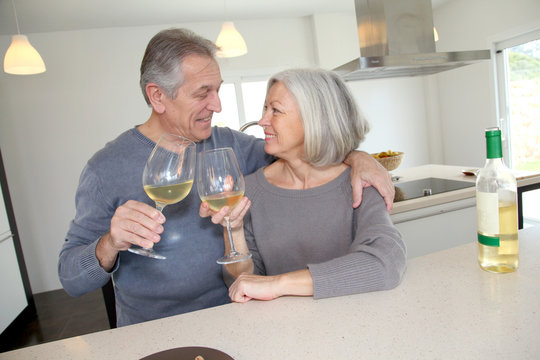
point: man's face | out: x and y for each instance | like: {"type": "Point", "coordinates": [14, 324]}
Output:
{"type": "Point", "coordinates": [190, 113]}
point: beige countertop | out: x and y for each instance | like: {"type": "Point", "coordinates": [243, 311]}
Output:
{"type": "Point", "coordinates": [447, 172]}
{"type": "Point", "coordinates": [445, 308]}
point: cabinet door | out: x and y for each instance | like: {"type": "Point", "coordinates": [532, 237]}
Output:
{"type": "Point", "coordinates": [12, 296]}
{"type": "Point", "coordinates": [439, 232]}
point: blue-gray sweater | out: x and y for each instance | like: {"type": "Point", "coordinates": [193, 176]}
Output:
{"type": "Point", "coordinates": [189, 279]}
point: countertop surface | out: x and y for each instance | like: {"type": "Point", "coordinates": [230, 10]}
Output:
{"type": "Point", "coordinates": [445, 308]}
{"type": "Point", "coordinates": [452, 173]}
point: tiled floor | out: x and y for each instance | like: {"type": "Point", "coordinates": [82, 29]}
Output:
{"type": "Point", "coordinates": [58, 316]}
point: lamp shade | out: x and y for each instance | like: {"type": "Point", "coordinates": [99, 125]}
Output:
{"type": "Point", "coordinates": [21, 58]}
{"type": "Point", "coordinates": [230, 42]}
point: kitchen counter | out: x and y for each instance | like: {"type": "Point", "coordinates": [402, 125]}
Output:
{"type": "Point", "coordinates": [524, 178]}
{"type": "Point", "coordinates": [445, 308]}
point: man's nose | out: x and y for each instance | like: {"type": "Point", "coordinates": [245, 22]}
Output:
{"type": "Point", "coordinates": [215, 103]}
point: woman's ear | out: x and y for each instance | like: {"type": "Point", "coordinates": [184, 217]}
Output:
{"type": "Point", "coordinates": [156, 97]}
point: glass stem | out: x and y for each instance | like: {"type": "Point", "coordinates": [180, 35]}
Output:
{"type": "Point", "coordinates": [232, 250]}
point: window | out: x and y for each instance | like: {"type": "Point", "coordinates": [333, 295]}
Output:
{"type": "Point", "coordinates": [241, 103]}
{"type": "Point", "coordinates": [518, 82]}
{"type": "Point", "coordinates": [518, 73]}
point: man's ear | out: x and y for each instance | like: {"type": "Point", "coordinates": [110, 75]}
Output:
{"type": "Point", "coordinates": [156, 97]}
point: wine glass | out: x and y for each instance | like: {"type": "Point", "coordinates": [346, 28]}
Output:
{"type": "Point", "coordinates": [220, 183]}
{"type": "Point", "coordinates": [168, 176]}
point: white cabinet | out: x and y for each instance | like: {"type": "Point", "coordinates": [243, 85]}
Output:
{"type": "Point", "coordinates": [436, 228]}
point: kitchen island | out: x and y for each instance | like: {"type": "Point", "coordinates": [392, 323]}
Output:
{"type": "Point", "coordinates": [445, 308]}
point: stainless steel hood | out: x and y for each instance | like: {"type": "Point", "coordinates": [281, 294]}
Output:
{"type": "Point", "coordinates": [396, 39]}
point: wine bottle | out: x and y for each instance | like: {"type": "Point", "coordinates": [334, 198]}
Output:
{"type": "Point", "coordinates": [496, 209]}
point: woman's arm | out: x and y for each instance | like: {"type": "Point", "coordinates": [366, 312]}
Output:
{"type": "Point", "coordinates": [247, 287]}
{"type": "Point", "coordinates": [376, 258]}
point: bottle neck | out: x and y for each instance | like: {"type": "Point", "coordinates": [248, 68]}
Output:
{"type": "Point", "coordinates": [494, 145]}
{"type": "Point", "coordinates": [494, 162]}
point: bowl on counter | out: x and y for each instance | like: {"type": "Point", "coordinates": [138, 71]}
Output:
{"type": "Point", "coordinates": [390, 160]}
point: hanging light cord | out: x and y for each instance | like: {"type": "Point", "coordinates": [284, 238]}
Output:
{"type": "Point", "coordinates": [16, 20]}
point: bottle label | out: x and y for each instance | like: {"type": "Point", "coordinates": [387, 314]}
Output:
{"type": "Point", "coordinates": [487, 211]}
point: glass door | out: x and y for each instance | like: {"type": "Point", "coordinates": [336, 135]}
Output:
{"type": "Point", "coordinates": [518, 81]}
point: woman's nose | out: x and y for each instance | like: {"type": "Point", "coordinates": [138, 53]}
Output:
{"type": "Point", "coordinates": [264, 119]}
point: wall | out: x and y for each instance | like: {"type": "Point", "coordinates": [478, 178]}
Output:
{"type": "Point", "coordinates": [465, 111]}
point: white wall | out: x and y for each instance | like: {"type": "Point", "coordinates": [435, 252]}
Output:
{"type": "Point", "coordinates": [466, 95]}
{"type": "Point", "coordinates": [50, 124]}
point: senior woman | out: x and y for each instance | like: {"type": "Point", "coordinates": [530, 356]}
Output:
{"type": "Point", "coordinates": [305, 237]}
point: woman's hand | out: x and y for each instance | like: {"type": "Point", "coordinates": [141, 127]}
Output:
{"type": "Point", "coordinates": [236, 216]}
{"type": "Point", "coordinates": [247, 287]}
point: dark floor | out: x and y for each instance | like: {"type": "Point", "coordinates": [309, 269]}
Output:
{"type": "Point", "coordinates": [58, 316]}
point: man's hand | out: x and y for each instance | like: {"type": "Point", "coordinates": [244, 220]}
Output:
{"type": "Point", "coordinates": [366, 171]}
{"type": "Point", "coordinates": [134, 223]}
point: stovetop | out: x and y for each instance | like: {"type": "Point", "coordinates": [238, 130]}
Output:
{"type": "Point", "coordinates": [426, 187]}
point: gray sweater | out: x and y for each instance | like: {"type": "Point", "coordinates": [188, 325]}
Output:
{"type": "Point", "coordinates": [189, 279]}
{"type": "Point", "coordinates": [347, 251]}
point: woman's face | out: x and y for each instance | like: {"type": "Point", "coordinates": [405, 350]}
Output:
{"type": "Point", "coordinates": [282, 124]}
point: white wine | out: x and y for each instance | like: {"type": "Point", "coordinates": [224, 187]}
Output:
{"type": "Point", "coordinates": [505, 256]}
{"type": "Point", "coordinates": [496, 208]}
{"type": "Point", "coordinates": [169, 194]}
{"type": "Point", "coordinates": [218, 201]}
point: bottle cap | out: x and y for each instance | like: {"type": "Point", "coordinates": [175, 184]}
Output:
{"type": "Point", "coordinates": [493, 143]}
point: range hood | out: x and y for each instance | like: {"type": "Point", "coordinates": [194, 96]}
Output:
{"type": "Point", "coordinates": [396, 39]}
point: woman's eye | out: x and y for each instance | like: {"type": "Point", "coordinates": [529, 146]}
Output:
{"type": "Point", "coordinates": [276, 111]}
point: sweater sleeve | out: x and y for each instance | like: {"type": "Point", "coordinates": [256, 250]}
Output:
{"type": "Point", "coordinates": [376, 259]}
{"type": "Point", "coordinates": [78, 267]}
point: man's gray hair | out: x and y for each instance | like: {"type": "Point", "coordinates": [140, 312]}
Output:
{"type": "Point", "coordinates": [164, 55]}
{"type": "Point", "coordinates": [333, 124]}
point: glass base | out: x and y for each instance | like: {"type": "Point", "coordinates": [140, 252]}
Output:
{"type": "Point", "coordinates": [146, 252]}
{"type": "Point", "coordinates": [233, 257]}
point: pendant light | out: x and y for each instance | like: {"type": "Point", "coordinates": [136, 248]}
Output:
{"type": "Point", "coordinates": [21, 57]}
{"type": "Point", "coordinates": [230, 41]}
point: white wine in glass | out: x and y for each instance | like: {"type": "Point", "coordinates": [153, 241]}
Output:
{"type": "Point", "coordinates": [168, 176]}
{"type": "Point", "coordinates": [221, 183]}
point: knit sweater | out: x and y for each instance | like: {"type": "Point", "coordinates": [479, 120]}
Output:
{"type": "Point", "coordinates": [346, 250]}
{"type": "Point", "coordinates": [189, 279]}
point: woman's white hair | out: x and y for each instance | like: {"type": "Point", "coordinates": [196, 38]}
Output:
{"type": "Point", "coordinates": [333, 124]}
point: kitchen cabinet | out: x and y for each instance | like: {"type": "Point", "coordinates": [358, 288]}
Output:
{"type": "Point", "coordinates": [16, 295]}
{"type": "Point", "coordinates": [437, 222]}
{"type": "Point", "coordinates": [437, 228]}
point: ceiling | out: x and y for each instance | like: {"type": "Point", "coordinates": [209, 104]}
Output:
{"type": "Point", "coordinates": [36, 16]}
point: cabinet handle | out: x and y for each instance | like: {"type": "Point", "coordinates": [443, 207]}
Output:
{"type": "Point", "coordinates": [9, 236]}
